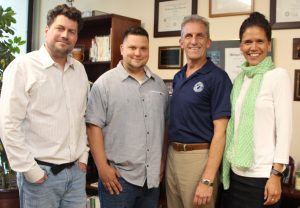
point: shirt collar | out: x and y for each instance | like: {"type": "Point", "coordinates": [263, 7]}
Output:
{"type": "Point", "coordinates": [47, 61]}
{"type": "Point", "coordinates": [205, 69]}
{"type": "Point", "coordinates": [124, 74]}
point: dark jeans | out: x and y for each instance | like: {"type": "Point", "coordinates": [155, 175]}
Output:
{"type": "Point", "coordinates": [246, 192]}
{"type": "Point", "coordinates": [132, 196]}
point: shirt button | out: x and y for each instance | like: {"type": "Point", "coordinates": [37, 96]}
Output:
{"type": "Point", "coordinates": [145, 115]}
{"type": "Point", "coordinates": [147, 150]}
{"type": "Point", "coordinates": [147, 166]}
{"type": "Point", "coordinates": [147, 132]}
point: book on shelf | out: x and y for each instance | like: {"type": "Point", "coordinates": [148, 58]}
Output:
{"type": "Point", "coordinates": [94, 184]}
{"type": "Point", "coordinates": [93, 202]}
{"type": "Point", "coordinates": [91, 13]}
{"type": "Point", "coordinates": [100, 49]}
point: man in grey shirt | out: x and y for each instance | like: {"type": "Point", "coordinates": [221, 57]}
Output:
{"type": "Point", "coordinates": [126, 117]}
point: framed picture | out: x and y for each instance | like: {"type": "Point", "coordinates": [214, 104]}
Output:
{"type": "Point", "coordinates": [297, 85]}
{"type": "Point", "coordinates": [221, 8]}
{"type": "Point", "coordinates": [296, 48]}
{"type": "Point", "coordinates": [170, 57]}
{"type": "Point", "coordinates": [169, 84]}
{"type": "Point", "coordinates": [168, 16]}
{"type": "Point", "coordinates": [285, 14]}
{"type": "Point", "coordinates": [227, 55]}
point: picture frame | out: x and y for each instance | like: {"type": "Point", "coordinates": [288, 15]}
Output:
{"type": "Point", "coordinates": [170, 57]}
{"type": "Point", "coordinates": [222, 8]}
{"type": "Point", "coordinates": [168, 16]}
{"type": "Point", "coordinates": [169, 85]}
{"type": "Point", "coordinates": [227, 55]}
{"type": "Point", "coordinates": [297, 85]}
{"type": "Point", "coordinates": [284, 14]}
{"type": "Point", "coordinates": [296, 48]}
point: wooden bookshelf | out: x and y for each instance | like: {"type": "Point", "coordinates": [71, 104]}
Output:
{"type": "Point", "coordinates": [107, 24]}
{"type": "Point", "coordinates": [9, 198]}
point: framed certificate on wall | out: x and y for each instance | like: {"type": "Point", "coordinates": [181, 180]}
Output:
{"type": "Point", "coordinates": [285, 14]}
{"type": "Point", "coordinates": [168, 16]}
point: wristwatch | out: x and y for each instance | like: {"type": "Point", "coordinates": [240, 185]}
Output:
{"type": "Point", "coordinates": [276, 172]}
{"type": "Point", "coordinates": [206, 182]}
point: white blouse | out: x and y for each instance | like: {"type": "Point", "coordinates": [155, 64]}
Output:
{"type": "Point", "coordinates": [272, 122]}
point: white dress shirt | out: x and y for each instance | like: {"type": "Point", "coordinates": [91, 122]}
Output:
{"type": "Point", "coordinates": [272, 122]}
{"type": "Point", "coordinates": [42, 111]}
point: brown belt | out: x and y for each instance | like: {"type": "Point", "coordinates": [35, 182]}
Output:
{"type": "Point", "coordinates": [190, 147]}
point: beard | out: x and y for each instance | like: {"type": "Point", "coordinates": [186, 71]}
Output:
{"type": "Point", "coordinates": [135, 64]}
{"type": "Point", "coordinates": [62, 52]}
{"type": "Point", "coordinates": [60, 49]}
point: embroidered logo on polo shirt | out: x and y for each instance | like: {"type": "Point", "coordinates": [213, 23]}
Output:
{"type": "Point", "coordinates": [198, 87]}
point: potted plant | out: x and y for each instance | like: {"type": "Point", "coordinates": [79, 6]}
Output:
{"type": "Point", "coordinates": [9, 46]}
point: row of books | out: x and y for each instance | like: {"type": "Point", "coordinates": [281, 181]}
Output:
{"type": "Point", "coordinates": [100, 49]}
{"type": "Point", "coordinates": [93, 202]}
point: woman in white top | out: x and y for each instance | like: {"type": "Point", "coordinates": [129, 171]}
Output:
{"type": "Point", "coordinates": [259, 131]}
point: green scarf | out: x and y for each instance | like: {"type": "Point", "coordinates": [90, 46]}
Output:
{"type": "Point", "coordinates": [239, 145]}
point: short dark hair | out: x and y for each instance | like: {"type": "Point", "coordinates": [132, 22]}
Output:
{"type": "Point", "coordinates": [135, 30]}
{"type": "Point", "coordinates": [63, 9]}
{"type": "Point", "coordinates": [259, 20]}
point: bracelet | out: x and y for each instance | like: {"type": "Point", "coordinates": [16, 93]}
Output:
{"type": "Point", "coordinates": [276, 172]}
{"type": "Point", "coordinates": [206, 182]}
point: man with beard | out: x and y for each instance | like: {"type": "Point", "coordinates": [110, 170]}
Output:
{"type": "Point", "coordinates": [42, 108]}
{"type": "Point", "coordinates": [126, 117]}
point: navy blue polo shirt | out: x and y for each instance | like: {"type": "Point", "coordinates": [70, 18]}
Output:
{"type": "Point", "coordinates": [197, 101]}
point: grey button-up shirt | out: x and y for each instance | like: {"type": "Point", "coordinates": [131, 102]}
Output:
{"type": "Point", "coordinates": [132, 117]}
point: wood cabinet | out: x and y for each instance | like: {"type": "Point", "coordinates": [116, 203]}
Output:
{"type": "Point", "coordinates": [9, 198]}
{"type": "Point", "coordinates": [108, 24]}
{"type": "Point", "coordinates": [290, 197]}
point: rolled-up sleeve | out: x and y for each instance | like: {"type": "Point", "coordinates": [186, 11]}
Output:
{"type": "Point", "coordinates": [97, 105]}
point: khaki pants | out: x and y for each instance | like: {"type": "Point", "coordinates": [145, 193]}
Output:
{"type": "Point", "coordinates": [183, 172]}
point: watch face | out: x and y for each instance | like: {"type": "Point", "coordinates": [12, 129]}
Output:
{"type": "Point", "coordinates": [206, 182]}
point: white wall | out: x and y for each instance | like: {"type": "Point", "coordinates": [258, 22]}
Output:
{"type": "Point", "coordinates": [222, 28]}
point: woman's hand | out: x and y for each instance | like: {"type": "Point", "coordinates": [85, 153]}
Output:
{"type": "Point", "coordinates": [272, 190]}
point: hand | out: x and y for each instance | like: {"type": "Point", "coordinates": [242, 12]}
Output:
{"type": "Point", "coordinates": [272, 190]}
{"type": "Point", "coordinates": [42, 180]}
{"type": "Point", "coordinates": [109, 177]}
{"type": "Point", "coordinates": [203, 195]}
{"type": "Point", "coordinates": [82, 166]}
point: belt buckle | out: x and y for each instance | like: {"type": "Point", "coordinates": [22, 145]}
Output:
{"type": "Point", "coordinates": [184, 145]}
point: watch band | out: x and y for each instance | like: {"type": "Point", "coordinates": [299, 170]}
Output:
{"type": "Point", "coordinates": [276, 172]}
{"type": "Point", "coordinates": [206, 182]}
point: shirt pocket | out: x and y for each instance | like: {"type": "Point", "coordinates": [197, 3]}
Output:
{"type": "Point", "coordinates": [156, 103]}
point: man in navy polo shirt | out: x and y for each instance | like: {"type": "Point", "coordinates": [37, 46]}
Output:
{"type": "Point", "coordinates": [199, 112]}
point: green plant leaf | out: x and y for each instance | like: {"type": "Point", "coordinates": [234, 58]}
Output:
{"type": "Point", "coordinates": [9, 44]}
